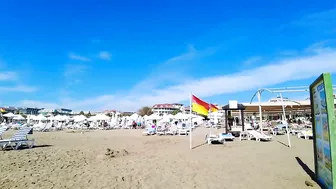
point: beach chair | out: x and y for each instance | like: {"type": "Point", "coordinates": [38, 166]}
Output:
{"type": "Point", "coordinates": [182, 131]}
{"type": "Point", "coordinates": [258, 136]}
{"type": "Point", "coordinates": [210, 138]}
{"type": "Point", "coordinates": [47, 127]}
{"type": "Point", "coordinates": [149, 131]}
{"type": "Point", "coordinates": [18, 139]}
{"type": "Point", "coordinates": [244, 135]}
{"type": "Point", "coordinates": [160, 131]}
{"type": "Point", "coordinates": [3, 129]}
{"type": "Point", "coordinates": [172, 131]}
{"type": "Point", "coordinates": [39, 126]}
{"type": "Point", "coordinates": [306, 134]}
{"type": "Point", "coordinates": [227, 136]}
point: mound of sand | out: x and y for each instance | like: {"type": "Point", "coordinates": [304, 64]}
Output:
{"type": "Point", "coordinates": [114, 153]}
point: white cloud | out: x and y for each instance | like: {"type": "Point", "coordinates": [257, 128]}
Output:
{"type": "Point", "coordinates": [78, 57]}
{"type": "Point", "coordinates": [86, 104]}
{"type": "Point", "coordinates": [32, 103]}
{"type": "Point", "coordinates": [104, 55]}
{"type": "Point", "coordinates": [18, 88]}
{"type": "Point", "coordinates": [174, 70]}
{"type": "Point", "coordinates": [283, 70]}
{"type": "Point", "coordinates": [7, 76]}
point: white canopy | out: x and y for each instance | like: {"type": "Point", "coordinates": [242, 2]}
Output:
{"type": "Point", "coordinates": [134, 116]}
{"type": "Point", "coordinates": [79, 118]}
{"type": "Point", "coordinates": [182, 116]}
{"type": "Point", "coordinates": [39, 118]}
{"type": "Point", "coordinates": [154, 117]}
{"type": "Point", "coordinates": [169, 116]}
{"type": "Point", "coordinates": [60, 118]}
{"type": "Point", "coordinates": [19, 117]}
{"type": "Point", "coordinates": [9, 115]}
{"type": "Point", "coordinates": [99, 117]}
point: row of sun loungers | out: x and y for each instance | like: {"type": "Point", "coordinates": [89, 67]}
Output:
{"type": "Point", "coordinates": [19, 139]}
{"type": "Point", "coordinates": [160, 132]}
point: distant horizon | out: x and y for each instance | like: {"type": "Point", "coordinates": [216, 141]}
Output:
{"type": "Point", "coordinates": [184, 105]}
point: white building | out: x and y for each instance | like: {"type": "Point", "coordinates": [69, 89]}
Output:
{"type": "Point", "coordinates": [161, 109]}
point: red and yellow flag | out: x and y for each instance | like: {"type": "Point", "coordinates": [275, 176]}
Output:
{"type": "Point", "coordinates": [213, 108]}
{"type": "Point", "coordinates": [201, 107]}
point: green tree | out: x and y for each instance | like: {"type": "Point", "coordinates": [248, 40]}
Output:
{"type": "Point", "coordinates": [88, 114]}
{"type": "Point", "coordinates": [175, 112]}
{"type": "Point", "coordinates": [145, 111]}
{"type": "Point", "coordinates": [81, 113]}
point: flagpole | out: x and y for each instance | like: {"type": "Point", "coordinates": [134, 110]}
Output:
{"type": "Point", "coordinates": [209, 112]}
{"type": "Point", "coordinates": [285, 121]}
{"type": "Point", "coordinates": [190, 133]}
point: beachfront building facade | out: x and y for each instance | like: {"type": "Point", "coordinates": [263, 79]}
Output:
{"type": "Point", "coordinates": [162, 109]}
{"type": "Point", "coordinates": [29, 111]}
{"type": "Point", "coordinates": [60, 111]}
{"type": "Point", "coordinates": [63, 111]}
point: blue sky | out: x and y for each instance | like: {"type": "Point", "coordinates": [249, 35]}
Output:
{"type": "Point", "coordinates": [97, 55]}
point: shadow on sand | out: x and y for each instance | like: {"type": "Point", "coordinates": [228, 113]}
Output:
{"type": "Point", "coordinates": [283, 143]}
{"type": "Point", "coordinates": [200, 145]}
{"type": "Point", "coordinates": [42, 146]}
{"type": "Point", "coordinates": [306, 168]}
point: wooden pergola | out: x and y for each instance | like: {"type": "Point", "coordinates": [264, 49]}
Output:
{"type": "Point", "coordinates": [276, 108]}
{"type": "Point", "coordinates": [240, 107]}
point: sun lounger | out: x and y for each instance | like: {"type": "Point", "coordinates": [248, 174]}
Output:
{"type": "Point", "coordinates": [306, 134]}
{"type": "Point", "coordinates": [172, 131]}
{"type": "Point", "coordinates": [214, 138]}
{"type": "Point", "coordinates": [47, 127]}
{"type": "Point", "coordinates": [160, 131]}
{"type": "Point", "coordinates": [19, 139]}
{"type": "Point", "coordinates": [183, 131]}
{"type": "Point", "coordinates": [258, 136]}
{"type": "Point", "coordinates": [3, 129]}
{"type": "Point", "coordinates": [227, 136]}
{"type": "Point", "coordinates": [149, 131]}
{"type": "Point", "coordinates": [244, 135]}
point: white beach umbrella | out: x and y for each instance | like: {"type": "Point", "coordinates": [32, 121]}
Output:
{"type": "Point", "coordinates": [154, 117]}
{"type": "Point", "coordinates": [40, 118]}
{"type": "Point", "coordinates": [9, 115]}
{"type": "Point", "coordinates": [65, 118]}
{"type": "Point", "coordinates": [170, 116]}
{"type": "Point", "coordinates": [92, 118]}
{"type": "Point", "coordinates": [59, 118]}
{"type": "Point", "coordinates": [79, 118]}
{"type": "Point", "coordinates": [102, 117]}
{"type": "Point", "coordinates": [134, 116]}
{"type": "Point", "coordinates": [19, 117]}
{"type": "Point", "coordinates": [30, 117]}
{"type": "Point", "coordinates": [179, 116]}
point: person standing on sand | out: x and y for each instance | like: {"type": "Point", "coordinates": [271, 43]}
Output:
{"type": "Point", "coordinates": [134, 124]}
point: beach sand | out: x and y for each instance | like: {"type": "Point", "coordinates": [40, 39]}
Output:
{"type": "Point", "coordinates": [82, 160]}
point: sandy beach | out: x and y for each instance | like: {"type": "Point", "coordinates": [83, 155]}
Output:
{"type": "Point", "coordinates": [125, 159]}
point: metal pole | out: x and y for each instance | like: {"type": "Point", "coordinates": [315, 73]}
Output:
{"type": "Point", "coordinates": [284, 119]}
{"type": "Point", "coordinates": [190, 133]}
{"type": "Point", "coordinates": [260, 113]}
